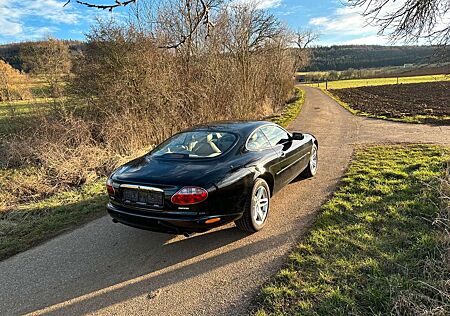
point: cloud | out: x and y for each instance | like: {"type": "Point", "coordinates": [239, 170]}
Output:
{"type": "Point", "coordinates": [318, 21]}
{"type": "Point", "coordinates": [348, 25]}
{"type": "Point", "coordinates": [23, 19]}
{"type": "Point", "coordinates": [344, 21]}
{"type": "Point", "coordinates": [261, 4]}
{"type": "Point", "coordinates": [367, 40]}
{"type": "Point", "coordinates": [267, 4]}
{"type": "Point", "coordinates": [9, 28]}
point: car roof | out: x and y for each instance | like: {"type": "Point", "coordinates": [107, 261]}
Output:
{"type": "Point", "coordinates": [241, 127]}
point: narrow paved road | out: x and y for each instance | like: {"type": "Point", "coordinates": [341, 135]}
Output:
{"type": "Point", "coordinates": [106, 268]}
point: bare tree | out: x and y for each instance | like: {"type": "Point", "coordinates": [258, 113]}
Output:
{"type": "Point", "coordinates": [198, 12]}
{"type": "Point", "coordinates": [302, 40]}
{"type": "Point", "coordinates": [247, 30]}
{"type": "Point", "coordinates": [410, 20]}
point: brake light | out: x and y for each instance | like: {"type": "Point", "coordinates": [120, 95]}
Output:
{"type": "Point", "coordinates": [109, 187]}
{"type": "Point", "coordinates": [189, 195]}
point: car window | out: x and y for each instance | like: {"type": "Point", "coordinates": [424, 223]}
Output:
{"type": "Point", "coordinates": [258, 141]}
{"type": "Point", "coordinates": [196, 144]}
{"type": "Point", "coordinates": [275, 134]}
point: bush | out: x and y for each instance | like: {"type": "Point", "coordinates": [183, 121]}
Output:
{"type": "Point", "coordinates": [128, 93]}
{"type": "Point", "coordinates": [13, 84]}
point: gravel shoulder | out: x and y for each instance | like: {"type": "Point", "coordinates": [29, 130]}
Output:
{"type": "Point", "coordinates": [106, 268]}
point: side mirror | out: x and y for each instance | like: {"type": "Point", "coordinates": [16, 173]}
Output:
{"type": "Point", "coordinates": [297, 136]}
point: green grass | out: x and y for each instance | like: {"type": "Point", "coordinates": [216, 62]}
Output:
{"type": "Point", "coordinates": [353, 83]}
{"type": "Point", "coordinates": [26, 102]}
{"type": "Point", "coordinates": [373, 248]}
{"type": "Point", "coordinates": [23, 108]}
{"type": "Point", "coordinates": [415, 119]}
{"type": "Point", "coordinates": [291, 110]}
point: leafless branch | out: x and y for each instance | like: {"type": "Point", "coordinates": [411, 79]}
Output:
{"type": "Point", "coordinates": [202, 17]}
{"type": "Point", "coordinates": [409, 20]}
{"type": "Point", "coordinates": [303, 38]}
{"type": "Point", "coordinates": [108, 7]}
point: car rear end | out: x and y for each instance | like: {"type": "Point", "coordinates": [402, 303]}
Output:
{"type": "Point", "coordinates": [167, 208]}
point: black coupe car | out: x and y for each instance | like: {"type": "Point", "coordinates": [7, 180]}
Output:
{"type": "Point", "coordinates": [210, 175]}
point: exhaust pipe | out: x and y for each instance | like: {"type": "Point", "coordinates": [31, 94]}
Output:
{"type": "Point", "coordinates": [115, 220]}
{"type": "Point", "coordinates": [187, 235]}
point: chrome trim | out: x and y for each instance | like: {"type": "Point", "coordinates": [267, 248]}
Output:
{"type": "Point", "coordinates": [291, 164]}
{"type": "Point", "coordinates": [141, 187]}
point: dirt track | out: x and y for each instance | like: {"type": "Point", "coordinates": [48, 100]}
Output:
{"type": "Point", "coordinates": [107, 268]}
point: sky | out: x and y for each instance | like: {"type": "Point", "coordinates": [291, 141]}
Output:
{"type": "Point", "coordinates": [22, 20]}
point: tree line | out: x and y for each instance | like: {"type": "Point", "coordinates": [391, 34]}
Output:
{"type": "Point", "coordinates": [320, 58]}
{"type": "Point", "coordinates": [15, 54]}
{"type": "Point", "coordinates": [344, 57]}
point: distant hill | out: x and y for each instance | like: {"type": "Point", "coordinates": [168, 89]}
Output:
{"type": "Point", "coordinates": [11, 52]}
{"type": "Point", "coordinates": [323, 58]}
{"type": "Point", "coordinates": [371, 56]}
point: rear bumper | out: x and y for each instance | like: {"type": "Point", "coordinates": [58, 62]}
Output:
{"type": "Point", "coordinates": [166, 222]}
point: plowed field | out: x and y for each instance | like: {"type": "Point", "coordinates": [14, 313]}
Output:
{"type": "Point", "coordinates": [431, 99]}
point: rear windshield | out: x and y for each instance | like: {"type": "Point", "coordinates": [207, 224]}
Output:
{"type": "Point", "coordinates": [198, 144]}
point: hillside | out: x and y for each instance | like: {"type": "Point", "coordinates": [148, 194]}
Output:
{"type": "Point", "coordinates": [322, 58]}
{"type": "Point", "coordinates": [11, 52]}
{"type": "Point", "coordinates": [371, 56]}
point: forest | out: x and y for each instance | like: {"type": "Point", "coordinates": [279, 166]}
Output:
{"type": "Point", "coordinates": [370, 56]}
{"type": "Point", "coordinates": [321, 58]}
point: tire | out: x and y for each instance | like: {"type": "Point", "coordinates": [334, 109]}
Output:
{"type": "Point", "coordinates": [311, 169]}
{"type": "Point", "coordinates": [253, 220]}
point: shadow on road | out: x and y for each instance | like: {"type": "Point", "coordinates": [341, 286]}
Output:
{"type": "Point", "coordinates": [116, 263]}
{"type": "Point", "coordinates": [138, 277]}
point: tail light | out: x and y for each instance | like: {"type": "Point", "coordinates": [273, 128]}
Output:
{"type": "Point", "coordinates": [189, 195]}
{"type": "Point", "coordinates": [109, 187]}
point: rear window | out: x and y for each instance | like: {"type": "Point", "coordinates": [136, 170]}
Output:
{"type": "Point", "coordinates": [198, 144]}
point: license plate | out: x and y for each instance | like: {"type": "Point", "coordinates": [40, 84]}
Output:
{"type": "Point", "coordinates": [143, 197]}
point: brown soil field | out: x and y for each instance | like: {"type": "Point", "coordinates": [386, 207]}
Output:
{"type": "Point", "coordinates": [399, 101]}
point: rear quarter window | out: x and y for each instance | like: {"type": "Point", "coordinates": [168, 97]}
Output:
{"type": "Point", "coordinates": [258, 141]}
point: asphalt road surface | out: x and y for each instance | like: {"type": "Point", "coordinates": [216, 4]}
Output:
{"type": "Point", "coordinates": [106, 268]}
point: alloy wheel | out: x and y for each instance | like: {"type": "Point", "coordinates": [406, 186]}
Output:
{"type": "Point", "coordinates": [261, 205]}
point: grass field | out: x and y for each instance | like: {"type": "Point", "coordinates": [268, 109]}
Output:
{"type": "Point", "coordinates": [352, 83]}
{"type": "Point", "coordinates": [22, 107]}
{"type": "Point", "coordinates": [375, 248]}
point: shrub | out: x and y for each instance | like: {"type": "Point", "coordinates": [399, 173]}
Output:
{"type": "Point", "coordinates": [12, 84]}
